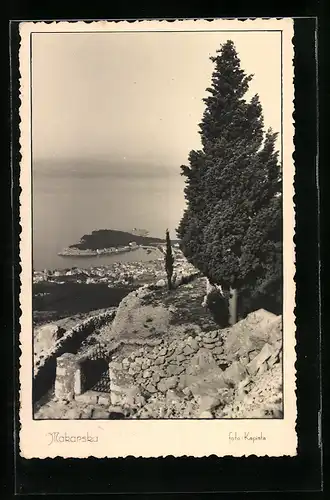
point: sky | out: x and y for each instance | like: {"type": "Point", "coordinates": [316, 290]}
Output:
{"type": "Point", "coordinates": [131, 102]}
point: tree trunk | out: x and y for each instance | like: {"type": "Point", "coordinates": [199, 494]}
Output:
{"type": "Point", "coordinates": [233, 306]}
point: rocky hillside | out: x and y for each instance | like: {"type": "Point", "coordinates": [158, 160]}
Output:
{"type": "Point", "coordinates": [169, 359]}
{"type": "Point", "coordinates": [220, 373]}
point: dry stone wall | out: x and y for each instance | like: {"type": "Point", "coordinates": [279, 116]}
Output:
{"type": "Point", "coordinates": [198, 376]}
{"type": "Point", "coordinates": [45, 364]}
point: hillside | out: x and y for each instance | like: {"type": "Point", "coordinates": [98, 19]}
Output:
{"type": "Point", "coordinates": [108, 238]}
{"type": "Point", "coordinates": [168, 358]}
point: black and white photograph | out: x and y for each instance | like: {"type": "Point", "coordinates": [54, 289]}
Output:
{"type": "Point", "coordinates": [157, 171]}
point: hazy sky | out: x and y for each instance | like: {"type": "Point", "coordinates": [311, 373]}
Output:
{"type": "Point", "coordinates": [135, 98]}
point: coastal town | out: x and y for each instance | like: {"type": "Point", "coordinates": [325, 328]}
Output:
{"type": "Point", "coordinates": [118, 273]}
{"type": "Point", "coordinates": [74, 251]}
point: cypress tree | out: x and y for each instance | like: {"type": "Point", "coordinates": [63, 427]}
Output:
{"type": "Point", "coordinates": [231, 228]}
{"type": "Point", "coordinates": [169, 260]}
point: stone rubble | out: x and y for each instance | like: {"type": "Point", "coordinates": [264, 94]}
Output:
{"type": "Point", "coordinates": [228, 373]}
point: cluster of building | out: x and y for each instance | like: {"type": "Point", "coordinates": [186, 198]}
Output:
{"type": "Point", "coordinates": [74, 251]}
{"type": "Point", "coordinates": [118, 273]}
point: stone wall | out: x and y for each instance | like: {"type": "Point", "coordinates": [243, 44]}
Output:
{"type": "Point", "coordinates": [45, 367]}
{"type": "Point", "coordinates": [200, 373]}
{"type": "Point", "coordinates": [230, 373]}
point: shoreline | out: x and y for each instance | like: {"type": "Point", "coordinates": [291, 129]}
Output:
{"type": "Point", "coordinates": [76, 252]}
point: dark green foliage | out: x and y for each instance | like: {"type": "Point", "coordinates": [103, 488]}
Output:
{"type": "Point", "coordinates": [231, 229]}
{"type": "Point", "coordinates": [169, 260]}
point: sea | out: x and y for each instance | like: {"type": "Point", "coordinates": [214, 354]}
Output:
{"type": "Point", "coordinates": [65, 206]}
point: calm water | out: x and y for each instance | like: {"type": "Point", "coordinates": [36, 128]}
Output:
{"type": "Point", "coordinates": [65, 207]}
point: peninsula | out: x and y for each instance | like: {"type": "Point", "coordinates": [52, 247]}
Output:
{"type": "Point", "coordinates": [108, 241]}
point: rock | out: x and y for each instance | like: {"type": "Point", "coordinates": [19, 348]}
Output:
{"type": "Point", "coordinates": [179, 349]}
{"type": "Point", "coordinates": [146, 374]}
{"type": "Point", "coordinates": [258, 360]}
{"type": "Point", "coordinates": [160, 283]}
{"type": "Point", "coordinates": [180, 358]}
{"type": "Point", "coordinates": [186, 391]}
{"type": "Point", "coordinates": [174, 370]}
{"type": "Point", "coordinates": [146, 363]}
{"type": "Point", "coordinates": [188, 410]}
{"type": "Point", "coordinates": [272, 360]}
{"type": "Point", "coordinates": [151, 388]}
{"type": "Point", "coordinates": [252, 333]}
{"type": "Point", "coordinates": [206, 414]}
{"type": "Point", "coordinates": [99, 414]}
{"type": "Point", "coordinates": [167, 383]}
{"type": "Point", "coordinates": [159, 370]}
{"type": "Point", "coordinates": [115, 365]}
{"type": "Point", "coordinates": [162, 352]}
{"type": "Point", "coordinates": [160, 360]}
{"type": "Point", "coordinates": [155, 377]}
{"type": "Point", "coordinates": [72, 414]}
{"type": "Point", "coordinates": [208, 340]}
{"type": "Point", "coordinates": [243, 383]}
{"type": "Point", "coordinates": [209, 346]}
{"type": "Point", "coordinates": [134, 369]}
{"type": "Point", "coordinates": [104, 399]}
{"type": "Point", "coordinates": [217, 350]}
{"type": "Point", "coordinates": [193, 344]}
{"type": "Point", "coordinates": [209, 384]}
{"type": "Point", "coordinates": [235, 373]}
{"type": "Point", "coordinates": [117, 413]}
{"type": "Point", "coordinates": [252, 355]}
{"type": "Point", "coordinates": [139, 361]}
{"type": "Point", "coordinates": [201, 362]}
{"type": "Point", "coordinates": [87, 397]}
{"type": "Point", "coordinates": [244, 360]}
{"type": "Point", "coordinates": [263, 368]}
{"type": "Point", "coordinates": [208, 403]}
{"type": "Point", "coordinates": [86, 413]}
{"type": "Point", "coordinates": [172, 396]}
{"type": "Point", "coordinates": [275, 357]}
{"type": "Point", "coordinates": [188, 350]}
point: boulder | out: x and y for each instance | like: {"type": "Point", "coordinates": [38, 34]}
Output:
{"type": "Point", "coordinates": [174, 370]}
{"type": "Point", "coordinates": [210, 384]}
{"type": "Point", "coordinates": [206, 414]}
{"type": "Point", "coordinates": [251, 333]}
{"type": "Point", "coordinates": [132, 319]}
{"type": "Point", "coordinates": [201, 362]}
{"type": "Point", "coordinates": [208, 403]}
{"type": "Point", "coordinates": [172, 396]}
{"type": "Point", "coordinates": [167, 383]}
{"type": "Point", "coordinates": [258, 360]}
{"type": "Point", "coordinates": [235, 373]}
{"type": "Point", "coordinates": [100, 414]}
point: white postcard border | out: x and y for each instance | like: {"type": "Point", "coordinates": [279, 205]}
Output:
{"type": "Point", "coordinates": [157, 438]}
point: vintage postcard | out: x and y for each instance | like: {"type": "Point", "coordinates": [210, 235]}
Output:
{"type": "Point", "coordinates": [157, 244]}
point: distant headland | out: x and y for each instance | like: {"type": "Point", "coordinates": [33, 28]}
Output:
{"type": "Point", "coordinates": [109, 241]}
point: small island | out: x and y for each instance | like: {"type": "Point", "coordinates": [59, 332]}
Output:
{"type": "Point", "coordinates": [110, 241]}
